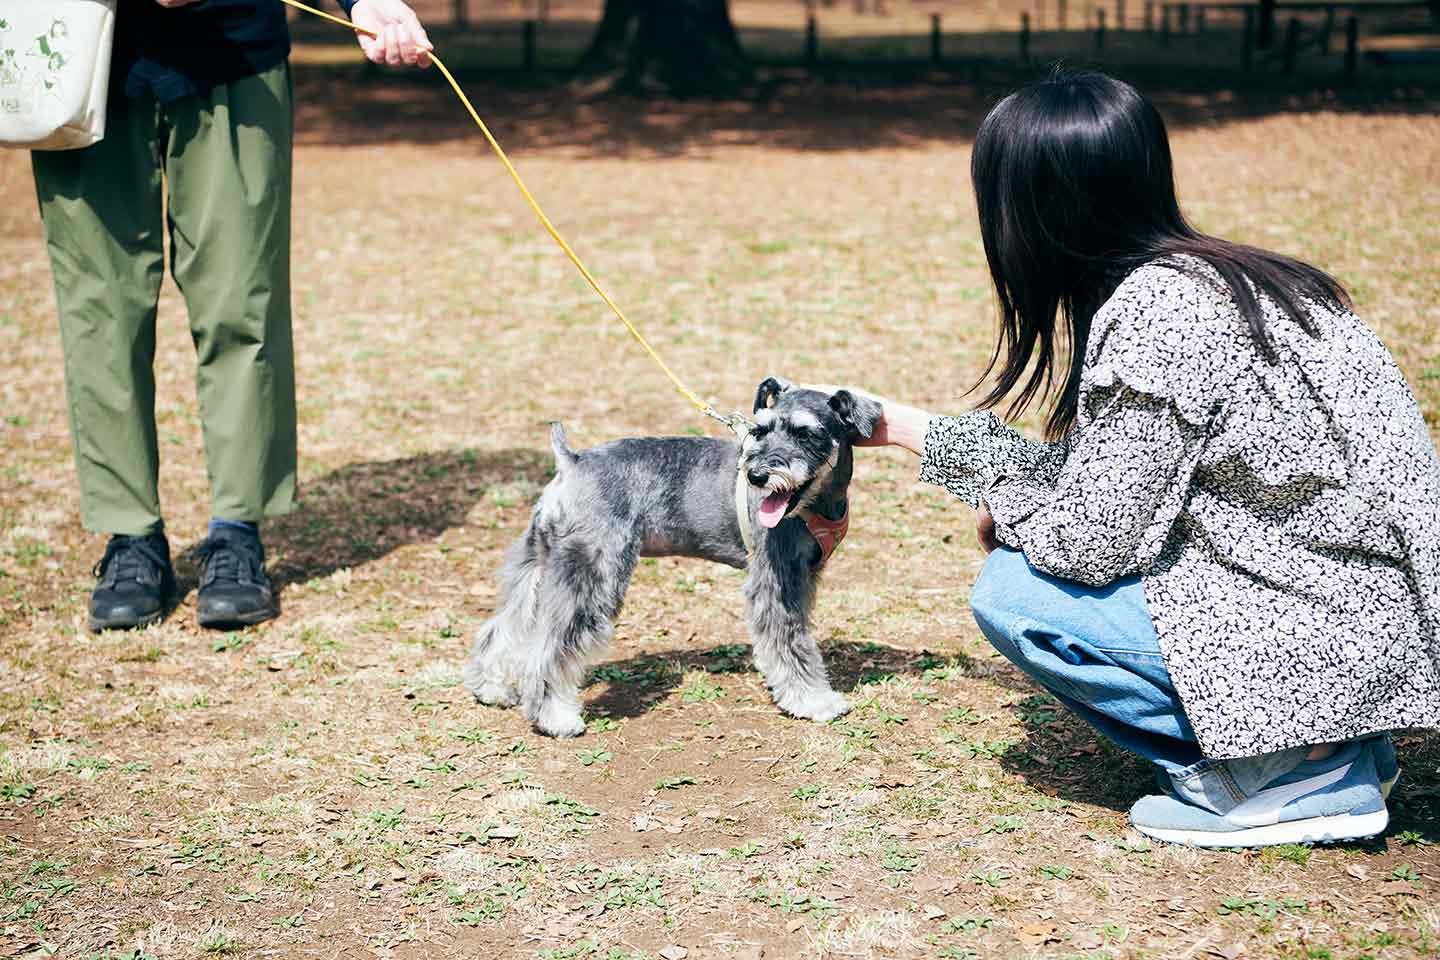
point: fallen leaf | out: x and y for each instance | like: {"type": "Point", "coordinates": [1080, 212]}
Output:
{"type": "Point", "coordinates": [1358, 871]}
{"type": "Point", "coordinates": [933, 912]}
{"type": "Point", "coordinates": [1035, 934]}
{"type": "Point", "coordinates": [1398, 888]}
{"type": "Point", "coordinates": [794, 925]}
{"type": "Point", "coordinates": [1087, 940]}
{"type": "Point", "coordinates": [673, 953]}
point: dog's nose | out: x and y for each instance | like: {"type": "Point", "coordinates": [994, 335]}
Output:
{"type": "Point", "coordinates": [757, 479]}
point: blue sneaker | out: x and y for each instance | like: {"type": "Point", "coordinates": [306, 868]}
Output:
{"type": "Point", "coordinates": [1338, 798]}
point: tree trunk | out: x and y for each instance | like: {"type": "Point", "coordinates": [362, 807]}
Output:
{"type": "Point", "coordinates": [680, 47]}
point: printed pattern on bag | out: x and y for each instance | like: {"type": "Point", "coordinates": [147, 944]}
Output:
{"type": "Point", "coordinates": [28, 77]}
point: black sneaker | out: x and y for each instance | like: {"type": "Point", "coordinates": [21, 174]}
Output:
{"type": "Point", "coordinates": [234, 591]}
{"type": "Point", "coordinates": [136, 583]}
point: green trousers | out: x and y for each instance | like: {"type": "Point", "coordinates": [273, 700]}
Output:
{"type": "Point", "coordinates": [214, 169]}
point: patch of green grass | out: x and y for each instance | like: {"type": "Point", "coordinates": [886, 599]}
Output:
{"type": "Point", "coordinates": [985, 749]}
{"type": "Point", "coordinates": [994, 878]}
{"type": "Point", "coordinates": [570, 808]}
{"type": "Point", "coordinates": [899, 860]}
{"type": "Point", "coordinates": [386, 819]}
{"type": "Point", "coordinates": [793, 901]}
{"type": "Point", "coordinates": [968, 924]}
{"type": "Point", "coordinates": [728, 658]}
{"type": "Point", "coordinates": [620, 891]}
{"type": "Point", "coordinates": [745, 851]}
{"type": "Point", "coordinates": [493, 905]}
{"type": "Point", "coordinates": [596, 755]}
{"type": "Point", "coordinates": [218, 942]}
{"type": "Point", "coordinates": [1294, 852]}
{"type": "Point", "coordinates": [226, 642]}
{"type": "Point", "coordinates": [650, 673]}
{"type": "Point", "coordinates": [17, 791]}
{"type": "Point", "coordinates": [1262, 907]}
{"type": "Point", "coordinates": [702, 691]}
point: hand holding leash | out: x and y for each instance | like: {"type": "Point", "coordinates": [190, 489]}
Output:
{"type": "Point", "coordinates": [390, 33]}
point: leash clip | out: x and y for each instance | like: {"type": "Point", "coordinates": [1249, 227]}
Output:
{"type": "Point", "coordinates": [737, 423]}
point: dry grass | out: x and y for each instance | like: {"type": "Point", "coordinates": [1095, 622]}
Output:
{"type": "Point", "coordinates": [322, 787]}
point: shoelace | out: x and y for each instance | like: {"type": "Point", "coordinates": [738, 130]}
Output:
{"type": "Point", "coordinates": [131, 558]}
{"type": "Point", "coordinates": [230, 559]}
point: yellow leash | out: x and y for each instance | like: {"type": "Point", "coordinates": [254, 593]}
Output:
{"type": "Point", "coordinates": [735, 422]}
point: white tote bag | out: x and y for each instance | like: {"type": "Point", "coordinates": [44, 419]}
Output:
{"type": "Point", "coordinates": [54, 72]}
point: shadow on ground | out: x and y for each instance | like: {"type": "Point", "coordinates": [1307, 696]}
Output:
{"type": "Point", "coordinates": [363, 511]}
{"type": "Point", "coordinates": [1063, 757]}
{"type": "Point", "coordinates": [631, 687]}
{"type": "Point", "coordinates": [340, 102]}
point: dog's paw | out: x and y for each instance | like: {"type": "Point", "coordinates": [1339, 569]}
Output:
{"type": "Point", "coordinates": [487, 686]}
{"type": "Point", "coordinates": [822, 706]}
{"type": "Point", "coordinates": [556, 719]}
{"type": "Point", "coordinates": [495, 694]}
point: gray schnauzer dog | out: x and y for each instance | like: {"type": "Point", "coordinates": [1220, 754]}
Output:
{"type": "Point", "coordinates": [564, 581]}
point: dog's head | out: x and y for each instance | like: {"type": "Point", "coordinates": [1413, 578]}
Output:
{"type": "Point", "coordinates": [800, 446]}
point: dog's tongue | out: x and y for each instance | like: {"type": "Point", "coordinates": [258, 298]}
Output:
{"type": "Point", "coordinates": [772, 508]}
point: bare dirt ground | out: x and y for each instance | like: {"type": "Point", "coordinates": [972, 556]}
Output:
{"type": "Point", "coordinates": [322, 786]}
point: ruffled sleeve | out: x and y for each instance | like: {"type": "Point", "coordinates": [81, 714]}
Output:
{"type": "Point", "coordinates": [966, 454]}
{"type": "Point", "coordinates": [1161, 361]}
{"type": "Point", "coordinates": [1109, 512]}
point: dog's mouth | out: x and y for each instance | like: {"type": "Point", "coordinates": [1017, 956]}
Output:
{"type": "Point", "coordinates": [776, 505]}
{"type": "Point", "coordinates": [773, 508]}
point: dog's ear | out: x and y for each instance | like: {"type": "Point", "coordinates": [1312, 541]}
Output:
{"type": "Point", "coordinates": [768, 391]}
{"type": "Point", "coordinates": [858, 412]}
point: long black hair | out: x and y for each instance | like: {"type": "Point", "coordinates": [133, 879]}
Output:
{"type": "Point", "coordinates": [1075, 189]}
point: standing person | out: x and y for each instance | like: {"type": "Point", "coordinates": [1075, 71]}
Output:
{"type": "Point", "coordinates": [198, 142]}
{"type": "Point", "coordinates": [1227, 558]}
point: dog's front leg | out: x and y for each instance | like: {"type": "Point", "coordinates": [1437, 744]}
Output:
{"type": "Point", "coordinates": [778, 600]}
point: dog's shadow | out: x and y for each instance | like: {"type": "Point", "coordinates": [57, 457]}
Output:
{"type": "Point", "coordinates": [631, 687]}
{"type": "Point", "coordinates": [364, 511]}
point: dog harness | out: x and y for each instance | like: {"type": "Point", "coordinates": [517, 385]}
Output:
{"type": "Point", "coordinates": [827, 533]}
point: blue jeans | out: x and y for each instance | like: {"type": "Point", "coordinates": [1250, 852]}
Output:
{"type": "Point", "coordinates": [1096, 650]}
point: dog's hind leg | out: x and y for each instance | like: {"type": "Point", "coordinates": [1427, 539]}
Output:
{"type": "Point", "coordinates": [491, 673]}
{"type": "Point", "coordinates": [580, 596]}
{"type": "Point", "coordinates": [778, 603]}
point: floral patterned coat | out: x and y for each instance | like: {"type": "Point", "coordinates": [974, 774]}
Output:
{"type": "Point", "coordinates": [1284, 517]}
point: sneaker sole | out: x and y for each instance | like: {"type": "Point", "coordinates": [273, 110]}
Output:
{"type": "Point", "coordinates": [236, 623]}
{"type": "Point", "coordinates": [101, 626]}
{"type": "Point", "coordinates": [1312, 830]}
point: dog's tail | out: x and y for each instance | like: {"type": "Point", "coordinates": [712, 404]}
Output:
{"type": "Point", "coordinates": [564, 455]}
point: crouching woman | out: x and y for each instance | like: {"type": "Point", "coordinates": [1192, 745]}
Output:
{"type": "Point", "coordinates": [1227, 558]}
